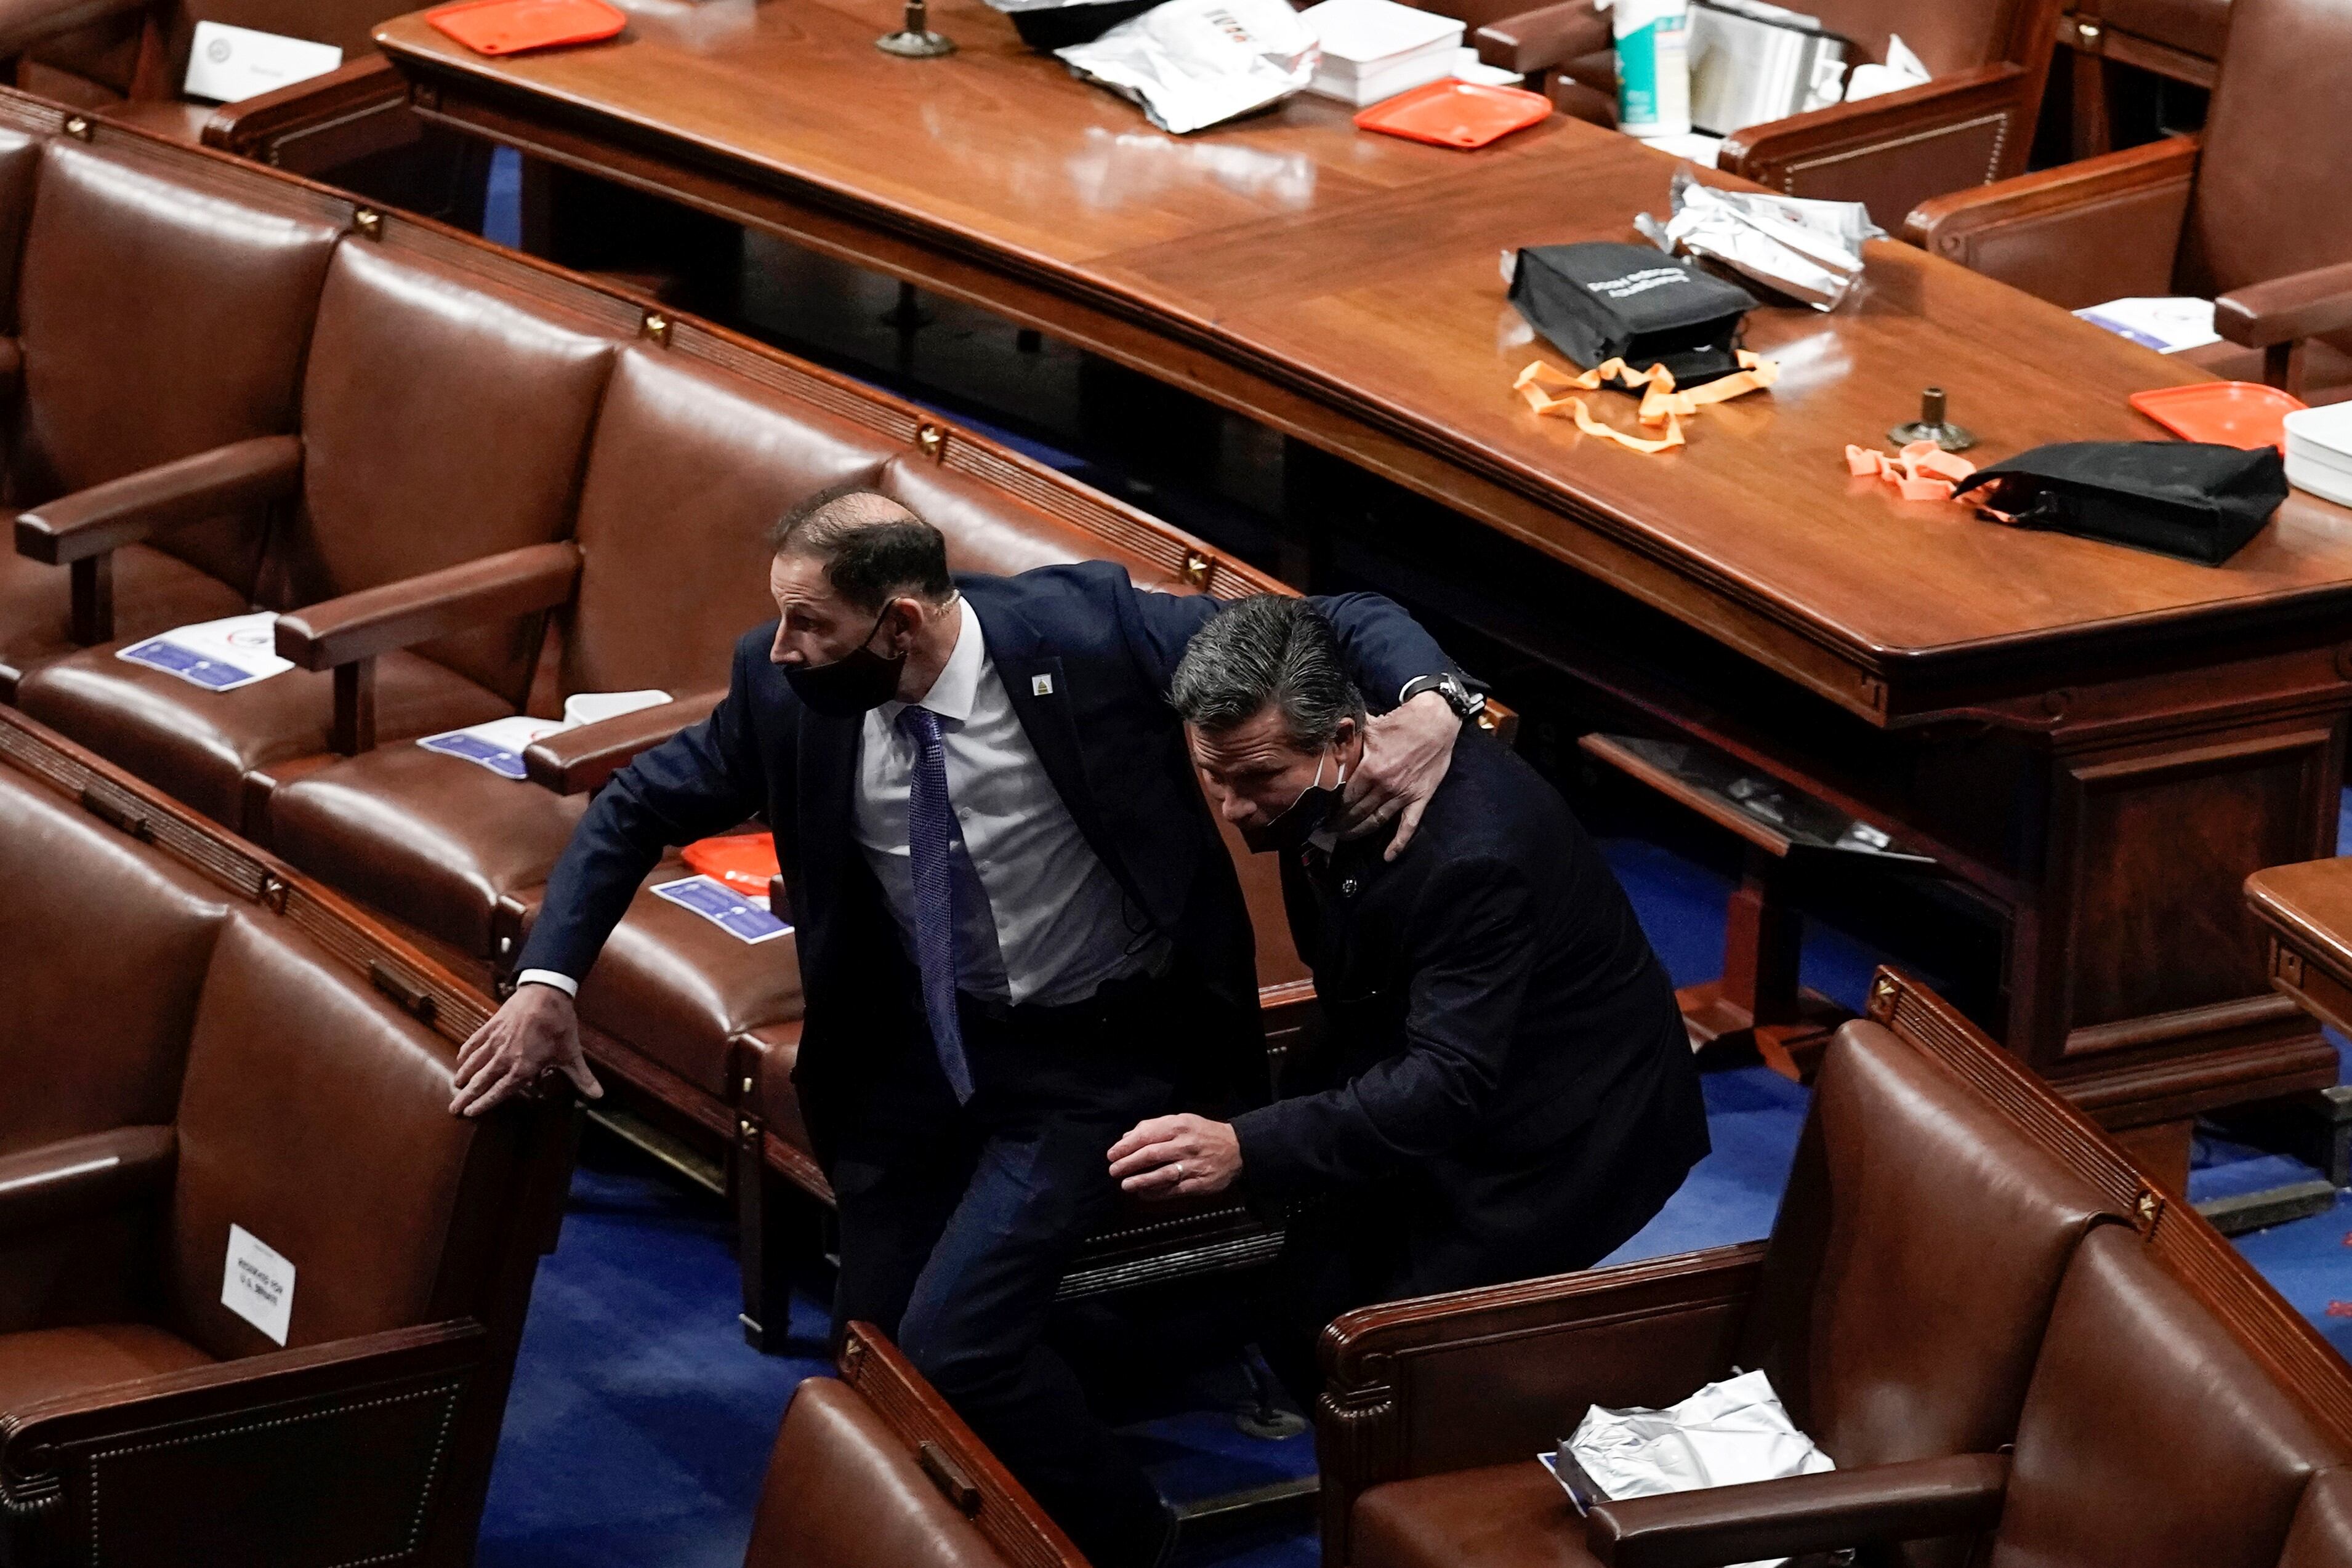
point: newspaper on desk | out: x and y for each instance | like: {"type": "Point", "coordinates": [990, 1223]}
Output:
{"type": "Point", "coordinates": [1725, 1433]}
{"type": "Point", "coordinates": [1808, 250]}
{"type": "Point", "coordinates": [1196, 63]}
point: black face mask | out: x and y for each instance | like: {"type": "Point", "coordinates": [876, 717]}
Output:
{"type": "Point", "coordinates": [858, 682]}
{"type": "Point", "coordinates": [1300, 820]}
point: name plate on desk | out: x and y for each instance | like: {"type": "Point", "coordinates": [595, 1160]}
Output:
{"type": "Point", "coordinates": [231, 64]}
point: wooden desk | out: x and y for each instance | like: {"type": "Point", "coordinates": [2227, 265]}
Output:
{"type": "Point", "coordinates": [2100, 743]}
{"type": "Point", "coordinates": [2306, 910]}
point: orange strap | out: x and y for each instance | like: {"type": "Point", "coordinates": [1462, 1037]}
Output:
{"type": "Point", "coordinates": [1922, 470]}
{"type": "Point", "coordinates": [1550, 391]}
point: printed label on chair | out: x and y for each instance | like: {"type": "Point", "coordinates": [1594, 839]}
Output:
{"type": "Point", "coordinates": [218, 655]}
{"type": "Point", "coordinates": [740, 916]}
{"type": "Point", "coordinates": [257, 1284]}
{"type": "Point", "coordinates": [229, 63]}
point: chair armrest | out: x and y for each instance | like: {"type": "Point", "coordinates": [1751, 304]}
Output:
{"type": "Point", "coordinates": [249, 125]}
{"type": "Point", "coordinates": [1897, 150]}
{"type": "Point", "coordinates": [575, 761]}
{"type": "Point", "coordinates": [24, 22]}
{"type": "Point", "coordinates": [1827, 1513]}
{"type": "Point", "coordinates": [2112, 221]}
{"type": "Point", "coordinates": [433, 604]}
{"type": "Point", "coordinates": [122, 511]}
{"type": "Point", "coordinates": [376, 1405]}
{"type": "Point", "coordinates": [1480, 1377]}
{"type": "Point", "coordinates": [75, 1177]}
{"type": "Point", "coordinates": [1535, 41]}
{"type": "Point", "coordinates": [2284, 309]}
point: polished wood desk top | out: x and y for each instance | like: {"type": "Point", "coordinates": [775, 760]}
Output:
{"type": "Point", "coordinates": [1360, 273]}
{"type": "Point", "coordinates": [2309, 906]}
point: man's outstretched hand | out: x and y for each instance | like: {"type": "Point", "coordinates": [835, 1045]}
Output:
{"type": "Point", "coordinates": [1176, 1157]}
{"type": "Point", "coordinates": [1406, 753]}
{"type": "Point", "coordinates": [537, 1030]}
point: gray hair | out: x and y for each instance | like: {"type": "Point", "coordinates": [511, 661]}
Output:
{"type": "Point", "coordinates": [1268, 650]}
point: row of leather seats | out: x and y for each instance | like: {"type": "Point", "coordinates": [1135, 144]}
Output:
{"type": "Point", "coordinates": [2017, 1350]}
{"type": "Point", "coordinates": [471, 486]}
{"type": "Point", "coordinates": [203, 1055]}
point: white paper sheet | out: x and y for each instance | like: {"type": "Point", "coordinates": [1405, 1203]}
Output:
{"type": "Point", "coordinates": [500, 744]}
{"type": "Point", "coordinates": [218, 655]}
{"type": "Point", "coordinates": [2166, 325]}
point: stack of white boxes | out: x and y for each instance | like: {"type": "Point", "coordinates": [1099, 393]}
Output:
{"type": "Point", "coordinates": [1374, 49]}
{"type": "Point", "coordinates": [2319, 452]}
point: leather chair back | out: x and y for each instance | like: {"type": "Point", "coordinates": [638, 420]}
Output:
{"type": "Point", "coordinates": [1920, 1242]}
{"type": "Point", "coordinates": [2321, 1536]}
{"type": "Point", "coordinates": [445, 417]}
{"type": "Point", "coordinates": [89, 915]}
{"type": "Point", "coordinates": [1948, 37]}
{"type": "Point", "coordinates": [158, 320]}
{"type": "Point", "coordinates": [843, 1491]}
{"type": "Point", "coordinates": [316, 1116]}
{"type": "Point", "coordinates": [686, 469]}
{"type": "Point", "coordinates": [2278, 136]}
{"type": "Point", "coordinates": [95, 65]}
{"type": "Point", "coordinates": [2151, 1437]}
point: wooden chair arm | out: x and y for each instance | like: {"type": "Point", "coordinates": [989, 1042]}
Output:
{"type": "Point", "coordinates": [1917, 1500]}
{"type": "Point", "coordinates": [1480, 1377]}
{"type": "Point", "coordinates": [2103, 228]}
{"type": "Point", "coordinates": [577, 761]}
{"type": "Point", "coordinates": [1535, 41]}
{"type": "Point", "coordinates": [256, 127]}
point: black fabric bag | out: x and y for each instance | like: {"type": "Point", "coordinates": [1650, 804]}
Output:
{"type": "Point", "coordinates": [1601, 301]}
{"type": "Point", "coordinates": [2185, 498]}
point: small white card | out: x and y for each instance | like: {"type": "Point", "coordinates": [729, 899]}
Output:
{"type": "Point", "coordinates": [2166, 325]}
{"type": "Point", "coordinates": [257, 1284]}
{"type": "Point", "coordinates": [228, 64]}
{"type": "Point", "coordinates": [218, 655]}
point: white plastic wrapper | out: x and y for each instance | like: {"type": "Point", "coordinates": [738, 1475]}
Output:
{"type": "Point", "coordinates": [1725, 1433]}
{"type": "Point", "coordinates": [1808, 250]}
{"type": "Point", "coordinates": [1196, 63]}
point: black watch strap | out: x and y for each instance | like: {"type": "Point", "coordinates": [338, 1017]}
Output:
{"type": "Point", "coordinates": [1464, 702]}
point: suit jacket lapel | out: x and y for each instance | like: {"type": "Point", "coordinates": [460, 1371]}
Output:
{"type": "Point", "coordinates": [1039, 688]}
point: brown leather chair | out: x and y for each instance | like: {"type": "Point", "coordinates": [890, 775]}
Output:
{"type": "Point", "coordinates": [155, 363]}
{"type": "Point", "coordinates": [126, 60]}
{"type": "Point", "coordinates": [431, 502]}
{"type": "Point", "coordinates": [1897, 1309]}
{"type": "Point", "coordinates": [235, 1048]}
{"type": "Point", "coordinates": [2247, 212]}
{"type": "Point", "coordinates": [2321, 1536]}
{"type": "Point", "coordinates": [872, 1469]}
{"type": "Point", "coordinates": [1972, 123]}
{"type": "Point", "coordinates": [2178, 39]}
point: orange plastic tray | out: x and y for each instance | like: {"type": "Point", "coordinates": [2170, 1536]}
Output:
{"type": "Point", "coordinates": [1456, 113]}
{"type": "Point", "coordinates": [744, 862]}
{"type": "Point", "coordinates": [510, 26]}
{"type": "Point", "coordinates": [2228, 413]}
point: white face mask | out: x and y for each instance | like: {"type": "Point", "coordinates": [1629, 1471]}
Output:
{"type": "Point", "coordinates": [1297, 823]}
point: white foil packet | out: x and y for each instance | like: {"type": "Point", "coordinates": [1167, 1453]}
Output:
{"type": "Point", "coordinates": [1197, 63]}
{"type": "Point", "coordinates": [1808, 250]}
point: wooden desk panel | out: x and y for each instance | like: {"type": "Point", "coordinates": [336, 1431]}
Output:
{"type": "Point", "coordinates": [2100, 742]}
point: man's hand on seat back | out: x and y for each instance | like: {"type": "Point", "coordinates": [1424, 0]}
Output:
{"type": "Point", "coordinates": [1406, 753]}
{"type": "Point", "coordinates": [535, 1032]}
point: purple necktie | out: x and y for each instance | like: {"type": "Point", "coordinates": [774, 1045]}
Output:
{"type": "Point", "coordinates": [930, 848]}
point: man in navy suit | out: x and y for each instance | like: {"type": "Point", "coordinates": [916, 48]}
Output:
{"type": "Point", "coordinates": [1019, 930]}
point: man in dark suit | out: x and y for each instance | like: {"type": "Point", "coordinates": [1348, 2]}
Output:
{"type": "Point", "coordinates": [1509, 1091]}
{"type": "Point", "coordinates": [1018, 933]}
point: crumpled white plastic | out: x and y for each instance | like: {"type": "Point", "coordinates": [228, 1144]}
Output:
{"type": "Point", "coordinates": [1196, 63]}
{"type": "Point", "coordinates": [1726, 1433]}
{"type": "Point", "coordinates": [1903, 69]}
{"type": "Point", "coordinates": [1808, 249]}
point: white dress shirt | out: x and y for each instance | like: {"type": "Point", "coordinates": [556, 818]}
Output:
{"type": "Point", "coordinates": [1056, 925]}
{"type": "Point", "coordinates": [1052, 924]}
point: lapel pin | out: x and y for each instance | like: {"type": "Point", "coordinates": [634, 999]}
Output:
{"type": "Point", "coordinates": [1041, 686]}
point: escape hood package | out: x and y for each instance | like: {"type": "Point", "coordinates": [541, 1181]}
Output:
{"type": "Point", "coordinates": [1603, 300]}
{"type": "Point", "coordinates": [1196, 63]}
{"type": "Point", "coordinates": [1808, 250]}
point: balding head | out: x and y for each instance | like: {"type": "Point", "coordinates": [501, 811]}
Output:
{"type": "Point", "coordinates": [871, 548]}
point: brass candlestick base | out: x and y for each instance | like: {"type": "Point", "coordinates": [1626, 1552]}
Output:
{"type": "Point", "coordinates": [916, 41]}
{"type": "Point", "coordinates": [1931, 425]}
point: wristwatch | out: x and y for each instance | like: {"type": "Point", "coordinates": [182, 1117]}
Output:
{"type": "Point", "coordinates": [1466, 704]}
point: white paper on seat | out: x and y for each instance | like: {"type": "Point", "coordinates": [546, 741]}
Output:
{"type": "Point", "coordinates": [257, 1283]}
{"type": "Point", "coordinates": [229, 63]}
{"type": "Point", "coordinates": [2167, 325]}
{"type": "Point", "coordinates": [1903, 69]}
{"type": "Point", "coordinates": [1725, 1433]}
{"type": "Point", "coordinates": [741, 915]}
{"type": "Point", "coordinates": [498, 744]}
{"type": "Point", "coordinates": [218, 655]}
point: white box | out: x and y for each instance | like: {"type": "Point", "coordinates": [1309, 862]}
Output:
{"type": "Point", "coordinates": [229, 63]}
{"type": "Point", "coordinates": [2318, 452]}
{"type": "Point", "coordinates": [1374, 49]}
